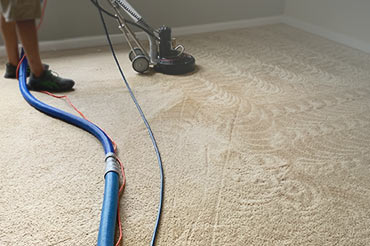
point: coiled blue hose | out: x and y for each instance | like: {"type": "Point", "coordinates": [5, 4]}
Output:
{"type": "Point", "coordinates": [110, 201]}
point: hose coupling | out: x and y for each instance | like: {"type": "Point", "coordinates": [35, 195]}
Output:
{"type": "Point", "coordinates": [111, 164]}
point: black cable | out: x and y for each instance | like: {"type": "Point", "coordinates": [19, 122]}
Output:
{"type": "Point", "coordinates": [102, 9]}
{"type": "Point", "coordinates": [154, 142]}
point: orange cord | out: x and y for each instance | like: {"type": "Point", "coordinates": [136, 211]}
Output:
{"type": "Point", "coordinates": [83, 116]}
{"type": "Point", "coordinates": [115, 148]}
{"type": "Point", "coordinates": [79, 112]}
{"type": "Point", "coordinates": [120, 193]}
{"type": "Point", "coordinates": [119, 161]}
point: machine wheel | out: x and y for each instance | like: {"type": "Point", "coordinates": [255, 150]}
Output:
{"type": "Point", "coordinates": [132, 54]}
{"type": "Point", "coordinates": [140, 63]}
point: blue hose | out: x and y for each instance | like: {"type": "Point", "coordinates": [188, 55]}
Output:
{"type": "Point", "coordinates": [110, 201]}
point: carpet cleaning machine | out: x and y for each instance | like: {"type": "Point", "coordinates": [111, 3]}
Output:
{"type": "Point", "coordinates": [164, 55]}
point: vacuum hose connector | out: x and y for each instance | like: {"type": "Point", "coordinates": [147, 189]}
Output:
{"type": "Point", "coordinates": [111, 164]}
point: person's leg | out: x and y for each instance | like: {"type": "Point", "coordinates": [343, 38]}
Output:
{"type": "Point", "coordinates": [41, 79]}
{"type": "Point", "coordinates": [28, 35]}
{"type": "Point", "coordinates": [24, 14]}
{"type": "Point", "coordinates": [9, 33]}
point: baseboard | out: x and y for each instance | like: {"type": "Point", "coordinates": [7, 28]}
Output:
{"type": "Point", "coordinates": [93, 41]}
{"type": "Point", "coordinates": [334, 36]}
{"type": "Point", "coordinates": [214, 27]}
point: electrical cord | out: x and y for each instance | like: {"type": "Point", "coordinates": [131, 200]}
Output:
{"type": "Point", "coordinates": [102, 9]}
{"type": "Point", "coordinates": [154, 142]}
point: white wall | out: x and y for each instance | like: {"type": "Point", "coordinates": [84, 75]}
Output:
{"type": "Point", "coordinates": [78, 18]}
{"type": "Point", "coordinates": [346, 21]}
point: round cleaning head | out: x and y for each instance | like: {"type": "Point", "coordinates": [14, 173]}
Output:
{"type": "Point", "coordinates": [176, 65]}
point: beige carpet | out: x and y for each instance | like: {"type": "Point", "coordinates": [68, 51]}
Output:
{"type": "Point", "coordinates": [266, 144]}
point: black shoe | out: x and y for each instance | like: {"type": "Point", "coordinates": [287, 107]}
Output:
{"type": "Point", "coordinates": [49, 82]}
{"type": "Point", "coordinates": [11, 71]}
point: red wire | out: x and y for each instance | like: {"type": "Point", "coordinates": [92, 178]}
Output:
{"type": "Point", "coordinates": [79, 112]}
{"type": "Point", "coordinates": [19, 65]}
{"type": "Point", "coordinates": [120, 193]}
{"type": "Point", "coordinates": [121, 189]}
{"type": "Point", "coordinates": [83, 116]}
